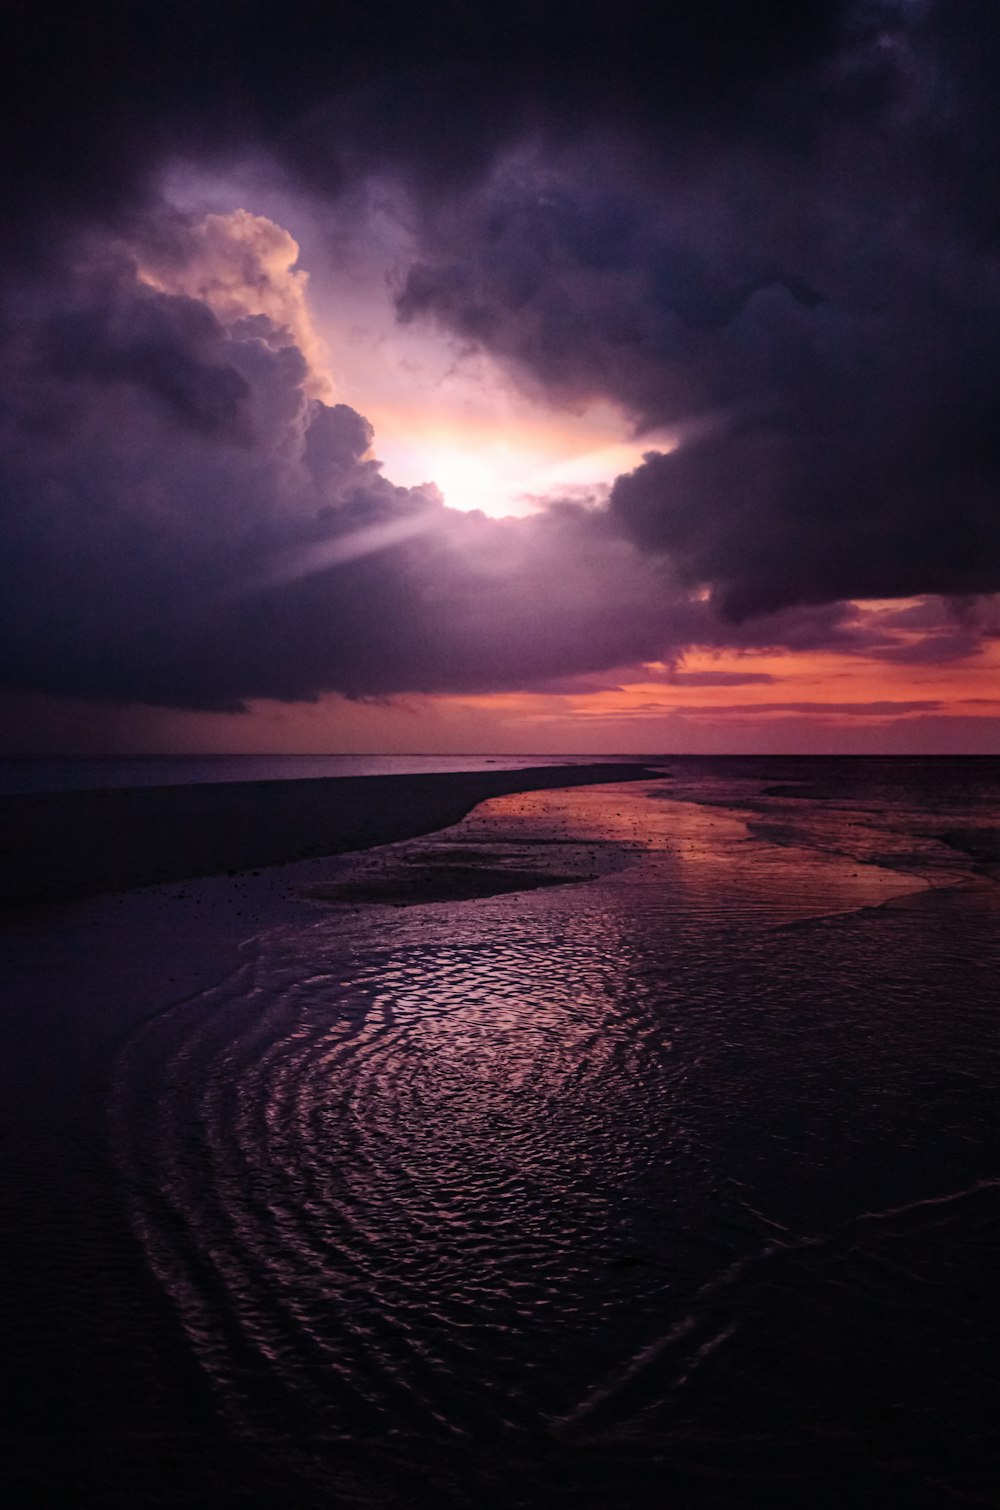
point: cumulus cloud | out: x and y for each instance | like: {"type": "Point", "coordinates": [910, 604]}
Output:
{"type": "Point", "coordinates": [770, 228]}
{"type": "Point", "coordinates": [813, 305]}
{"type": "Point", "coordinates": [431, 91]}
{"type": "Point", "coordinates": [184, 523]}
{"type": "Point", "coordinates": [827, 349]}
{"type": "Point", "coordinates": [241, 266]}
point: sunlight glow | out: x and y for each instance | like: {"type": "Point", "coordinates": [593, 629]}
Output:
{"type": "Point", "coordinates": [442, 410]}
{"type": "Point", "coordinates": [513, 471]}
{"type": "Point", "coordinates": [482, 478]}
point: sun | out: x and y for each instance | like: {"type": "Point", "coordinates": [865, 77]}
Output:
{"type": "Point", "coordinates": [493, 478]}
{"type": "Point", "coordinates": [508, 469]}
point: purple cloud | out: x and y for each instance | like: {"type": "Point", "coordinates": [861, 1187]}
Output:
{"type": "Point", "coordinates": [755, 225]}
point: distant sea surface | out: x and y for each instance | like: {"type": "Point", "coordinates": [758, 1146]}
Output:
{"type": "Point", "coordinates": [67, 774]}
{"type": "Point", "coordinates": [672, 1182]}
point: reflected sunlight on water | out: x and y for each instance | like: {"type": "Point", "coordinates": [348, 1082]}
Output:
{"type": "Point", "coordinates": [602, 1161]}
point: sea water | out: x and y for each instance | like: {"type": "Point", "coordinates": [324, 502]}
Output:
{"type": "Point", "coordinates": [678, 1185]}
{"type": "Point", "coordinates": [23, 774]}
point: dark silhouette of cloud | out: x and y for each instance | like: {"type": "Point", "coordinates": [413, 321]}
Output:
{"type": "Point", "coordinates": [720, 678]}
{"type": "Point", "coordinates": [185, 524]}
{"type": "Point", "coordinates": [96, 96]}
{"type": "Point", "coordinates": [876, 708]}
{"type": "Point", "coordinates": [771, 227]}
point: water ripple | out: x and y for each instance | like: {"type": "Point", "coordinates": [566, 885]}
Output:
{"type": "Point", "coordinates": [503, 1165]}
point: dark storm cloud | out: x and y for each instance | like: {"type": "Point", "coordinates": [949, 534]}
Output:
{"type": "Point", "coordinates": [770, 226]}
{"type": "Point", "coordinates": [184, 524]}
{"type": "Point", "coordinates": [815, 308]}
{"type": "Point", "coordinates": [831, 363]}
{"type": "Point", "coordinates": [167, 348]}
{"type": "Point", "coordinates": [96, 95]}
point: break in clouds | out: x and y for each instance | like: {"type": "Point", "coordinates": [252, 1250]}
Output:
{"type": "Point", "coordinates": [772, 229]}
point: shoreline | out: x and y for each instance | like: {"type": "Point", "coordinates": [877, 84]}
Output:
{"type": "Point", "coordinates": [114, 1400]}
{"type": "Point", "coordinates": [86, 972]}
{"type": "Point", "coordinates": [58, 847]}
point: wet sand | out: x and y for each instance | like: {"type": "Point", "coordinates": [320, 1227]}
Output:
{"type": "Point", "coordinates": [58, 846]}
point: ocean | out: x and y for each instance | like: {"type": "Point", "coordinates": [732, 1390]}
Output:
{"type": "Point", "coordinates": [24, 773]}
{"type": "Point", "coordinates": [670, 1179]}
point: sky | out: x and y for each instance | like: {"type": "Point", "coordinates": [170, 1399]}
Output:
{"type": "Point", "coordinates": [519, 377]}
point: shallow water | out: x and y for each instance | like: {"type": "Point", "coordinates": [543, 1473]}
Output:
{"type": "Point", "coordinates": [24, 773]}
{"type": "Point", "coordinates": [679, 1185]}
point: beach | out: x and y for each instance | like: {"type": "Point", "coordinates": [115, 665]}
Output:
{"type": "Point", "coordinates": [55, 846]}
{"type": "Point", "coordinates": [91, 948]}
{"type": "Point", "coordinates": [631, 1142]}
{"type": "Point", "coordinates": [500, 756]}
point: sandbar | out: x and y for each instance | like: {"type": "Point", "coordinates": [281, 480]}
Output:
{"type": "Point", "coordinates": [64, 846]}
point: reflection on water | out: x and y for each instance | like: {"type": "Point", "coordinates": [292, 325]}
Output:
{"type": "Point", "coordinates": [681, 1179]}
